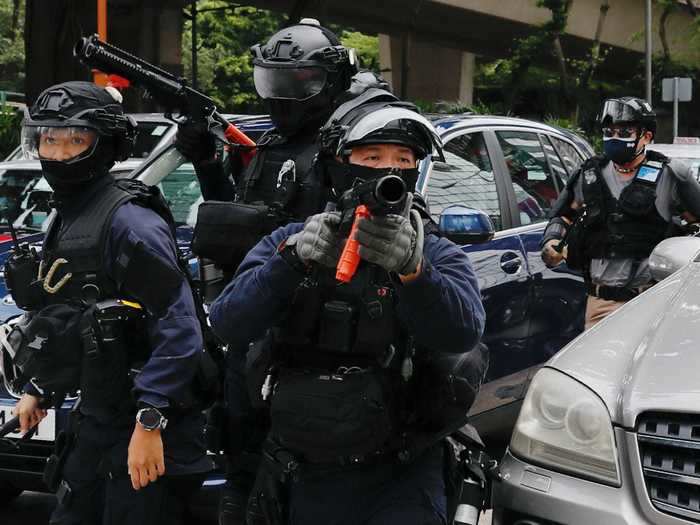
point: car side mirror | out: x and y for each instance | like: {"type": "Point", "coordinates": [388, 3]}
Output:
{"type": "Point", "coordinates": [464, 225]}
{"type": "Point", "coordinates": [671, 254]}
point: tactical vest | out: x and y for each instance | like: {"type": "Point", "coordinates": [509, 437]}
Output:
{"type": "Point", "coordinates": [625, 228]}
{"type": "Point", "coordinates": [261, 183]}
{"type": "Point", "coordinates": [78, 236]}
{"type": "Point", "coordinates": [111, 338]}
{"type": "Point", "coordinates": [350, 384]}
{"type": "Point", "coordinates": [338, 370]}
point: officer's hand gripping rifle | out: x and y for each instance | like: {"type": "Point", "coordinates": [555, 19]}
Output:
{"type": "Point", "coordinates": [12, 424]}
{"type": "Point", "coordinates": [382, 196]}
{"type": "Point", "coordinates": [180, 100]}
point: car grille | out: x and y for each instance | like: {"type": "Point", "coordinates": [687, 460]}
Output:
{"type": "Point", "coordinates": [669, 447]}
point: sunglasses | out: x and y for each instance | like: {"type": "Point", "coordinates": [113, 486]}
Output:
{"type": "Point", "coordinates": [623, 133]}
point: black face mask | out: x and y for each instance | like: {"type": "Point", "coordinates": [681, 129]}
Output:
{"type": "Point", "coordinates": [293, 116]}
{"type": "Point", "coordinates": [344, 177]}
{"type": "Point", "coordinates": [67, 179]}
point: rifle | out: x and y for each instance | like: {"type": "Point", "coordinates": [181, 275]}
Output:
{"type": "Point", "coordinates": [180, 100]}
{"type": "Point", "coordinates": [382, 196]}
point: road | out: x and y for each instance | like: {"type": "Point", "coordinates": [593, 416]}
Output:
{"type": "Point", "coordinates": [34, 508]}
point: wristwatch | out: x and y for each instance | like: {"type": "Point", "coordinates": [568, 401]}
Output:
{"type": "Point", "coordinates": [151, 419]}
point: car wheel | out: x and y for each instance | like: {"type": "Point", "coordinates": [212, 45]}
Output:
{"type": "Point", "coordinates": [8, 492]}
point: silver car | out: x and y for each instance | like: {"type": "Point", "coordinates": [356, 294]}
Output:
{"type": "Point", "coordinates": [609, 432]}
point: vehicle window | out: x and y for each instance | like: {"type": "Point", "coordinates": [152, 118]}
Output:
{"type": "Point", "coordinates": [181, 190]}
{"type": "Point", "coordinates": [569, 155]}
{"type": "Point", "coordinates": [535, 187]}
{"type": "Point", "coordinates": [555, 163]}
{"type": "Point", "coordinates": [465, 178]}
{"type": "Point", "coordinates": [148, 135]}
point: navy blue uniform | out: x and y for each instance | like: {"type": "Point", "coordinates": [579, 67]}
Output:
{"type": "Point", "coordinates": [441, 309]}
{"type": "Point", "coordinates": [96, 469]}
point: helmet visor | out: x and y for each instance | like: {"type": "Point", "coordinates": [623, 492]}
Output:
{"type": "Point", "coordinates": [615, 111]}
{"type": "Point", "coordinates": [289, 83]}
{"type": "Point", "coordinates": [377, 120]}
{"type": "Point", "coordinates": [61, 143]}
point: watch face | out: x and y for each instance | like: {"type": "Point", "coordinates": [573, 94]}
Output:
{"type": "Point", "coordinates": [149, 418]}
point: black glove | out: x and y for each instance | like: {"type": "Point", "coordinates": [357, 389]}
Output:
{"type": "Point", "coordinates": [195, 142]}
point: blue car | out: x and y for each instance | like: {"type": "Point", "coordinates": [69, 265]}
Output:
{"type": "Point", "coordinates": [500, 178]}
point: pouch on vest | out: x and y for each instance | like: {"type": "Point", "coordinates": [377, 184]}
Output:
{"type": "Point", "coordinates": [446, 386]}
{"type": "Point", "coordinates": [226, 231]}
{"type": "Point", "coordinates": [326, 417]}
{"type": "Point", "coordinates": [638, 198]}
{"type": "Point", "coordinates": [113, 337]}
{"type": "Point", "coordinates": [337, 330]}
{"type": "Point", "coordinates": [576, 245]}
{"type": "Point", "coordinates": [50, 351]}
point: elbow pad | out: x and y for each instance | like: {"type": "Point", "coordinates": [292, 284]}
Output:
{"type": "Point", "coordinates": [556, 229]}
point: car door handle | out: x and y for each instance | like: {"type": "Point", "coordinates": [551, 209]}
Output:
{"type": "Point", "coordinates": [511, 262]}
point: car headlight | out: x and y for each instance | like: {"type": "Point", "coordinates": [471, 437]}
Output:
{"type": "Point", "coordinates": [564, 425]}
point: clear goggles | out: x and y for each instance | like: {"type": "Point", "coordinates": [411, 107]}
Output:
{"type": "Point", "coordinates": [288, 82]}
{"type": "Point", "coordinates": [60, 143]}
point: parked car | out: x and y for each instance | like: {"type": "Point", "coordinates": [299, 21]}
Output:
{"type": "Point", "coordinates": [512, 170]}
{"type": "Point", "coordinates": [688, 153]}
{"type": "Point", "coordinates": [609, 431]}
{"type": "Point", "coordinates": [500, 177]}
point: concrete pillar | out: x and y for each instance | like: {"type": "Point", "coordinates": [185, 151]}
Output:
{"type": "Point", "coordinates": [385, 64]}
{"type": "Point", "coordinates": [466, 79]}
{"type": "Point", "coordinates": [434, 73]}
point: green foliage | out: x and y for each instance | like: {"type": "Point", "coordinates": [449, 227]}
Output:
{"type": "Point", "coordinates": [11, 46]}
{"type": "Point", "coordinates": [10, 121]}
{"type": "Point", "coordinates": [367, 48]}
{"type": "Point", "coordinates": [224, 65]}
{"type": "Point", "coordinates": [224, 62]}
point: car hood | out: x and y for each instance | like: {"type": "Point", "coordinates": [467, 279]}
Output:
{"type": "Point", "coordinates": [646, 356]}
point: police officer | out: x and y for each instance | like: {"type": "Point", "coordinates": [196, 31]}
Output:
{"type": "Point", "coordinates": [302, 73]}
{"type": "Point", "coordinates": [138, 453]}
{"type": "Point", "coordinates": [342, 387]}
{"type": "Point", "coordinates": [617, 207]}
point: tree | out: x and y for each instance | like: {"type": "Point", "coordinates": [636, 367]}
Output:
{"type": "Point", "coordinates": [12, 45]}
{"type": "Point", "coordinates": [224, 61]}
{"type": "Point", "coordinates": [224, 65]}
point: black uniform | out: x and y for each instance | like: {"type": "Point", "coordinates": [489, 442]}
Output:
{"type": "Point", "coordinates": [101, 326]}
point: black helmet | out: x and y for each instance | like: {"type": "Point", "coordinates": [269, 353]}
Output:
{"type": "Point", "coordinates": [81, 111]}
{"type": "Point", "coordinates": [379, 119]}
{"type": "Point", "coordinates": [628, 110]}
{"type": "Point", "coordinates": [299, 71]}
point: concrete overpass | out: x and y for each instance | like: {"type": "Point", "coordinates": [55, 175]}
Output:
{"type": "Point", "coordinates": [442, 37]}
